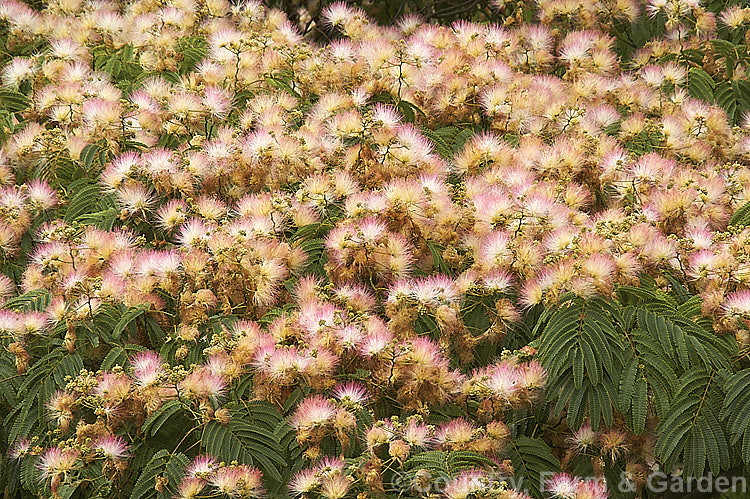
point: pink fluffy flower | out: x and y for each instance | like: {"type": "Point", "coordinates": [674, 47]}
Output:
{"type": "Point", "coordinates": [41, 196]}
{"type": "Point", "coordinates": [238, 481]}
{"type": "Point", "coordinates": [203, 384]}
{"type": "Point", "coordinates": [313, 412]}
{"type": "Point", "coordinates": [353, 392]}
{"type": "Point", "coordinates": [467, 483]}
{"type": "Point", "coordinates": [56, 460]}
{"type": "Point", "coordinates": [112, 447]}
{"type": "Point", "coordinates": [562, 486]}
{"type": "Point", "coordinates": [737, 304]}
{"type": "Point", "coordinates": [147, 367]}
{"type": "Point", "coordinates": [201, 466]}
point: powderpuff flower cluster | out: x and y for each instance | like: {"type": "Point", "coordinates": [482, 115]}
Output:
{"type": "Point", "coordinates": [461, 434]}
{"type": "Point", "coordinates": [609, 445]}
{"type": "Point", "coordinates": [584, 14]}
{"type": "Point", "coordinates": [204, 475]}
{"type": "Point", "coordinates": [418, 372]}
{"type": "Point", "coordinates": [329, 478]}
{"type": "Point", "coordinates": [118, 396]}
{"type": "Point", "coordinates": [332, 333]}
{"type": "Point", "coordinates": [317, 418]}
{"type": "Point", "coordinates": [401, 438]}
{"type": "Point", "coordinates": [86, 268]}
{"type": "Point", "coordinates": [366, 249]}
{"type": "Point", "coordinates": [112, 448]}
{"type": "Point", "coordinates": [437, 297]}
{"type": "Point", "coordinates": [57, 461]}
{"type": "Point", "coordinates": [391, 442]}
{"type": "Point", "coordinates": [505, 384]}
{"type": "Point", "coordinates": [60, 463]}
{"type": "Point", "coordinates": [17, 324]}
{"type": "Point", "coordinates": [231, 176]}
{"type": "Point", "coordinates": [565, 486]}
{"type": "Point", "coordinates": [212, 196]}
{"type": "Point", "coordinates": [20, 206]}
{"type": "Point", "coordinates": [475, 483]}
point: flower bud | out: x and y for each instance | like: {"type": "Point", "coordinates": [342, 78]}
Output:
{"type": "Point", "coordinates": [222, 416]}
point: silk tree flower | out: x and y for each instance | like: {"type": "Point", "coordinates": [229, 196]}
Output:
{"type": "Point", "coordinates": [20, 449]}
{"type": "Point", "coordinates": [147, 368]}
{"type": "Point", "coordinates": [201, 467]}
{"type": "Point", "coordinates": [216, 101]}
{"type": "Point", "coordinates": [352, 392]}
{"type": "Point", "coordinates": [337, 13]}
{"type": "Point", "coordinates": [41, 196]}
{"type": "Point", "coordinates": [583, 439]}
{"type": "Point", "coordinates": [737, 304]}
{"type": "Point", "coordinates": [304, 482]}
{"type": "Point", "coordinates": [18, 70]}
{"type": "Point", "coordinates": [56, 461]}
{"type": "Point", "coordinates": [735, 16]}
{"type": "Point", "coordinates": [10, 323]}
{"type": "Point", "coordinates": [60, 409]}
{"type": "Point", "coordinates": [238, 481]}
{"type": "Point", "coordinates": [202, 384]}
{"type": "Point", "coordinates": [335, 487]}
{"type": "Point", "coordinates": [456, 434]}
{"type": "Point", "coordinates": [172, 214]}
{"type": "Point", "coordinates": [190, 488]}
{"type": "Point", "coordinates": [111, 447]}
{"type": "Point", "coordinates": [313, 412]}
{"type": "Point", "coordinates": [135, 199]}
{"type": "Point", "coordinates": [113, 387]}
{"type": "Point", "coordinates": [467, 483]}
{"type": "Point", "coordinates": [418, 435]}
{"type": "Point", "coordinates": [562, 486]}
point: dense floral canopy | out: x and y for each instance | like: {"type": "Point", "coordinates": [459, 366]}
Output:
{"type": "Point", "coordinates": [415, 259]}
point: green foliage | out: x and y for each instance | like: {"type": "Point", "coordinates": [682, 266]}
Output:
{"type": "Point", "coordinates": [14, 102]}
{"type": "Point", "coordinates": [162, 465]}
{"type": "Point", "coordinates": [448, 464]}
{"type": "Point", "coordinates": [85, 200]}
{"type": "Point", "coordinates": [734, 97]}
{"type": "Point", "coordinates": [735, 409]}
{"type": "Point", "coordinates": [532, 458]}
{"type": "Point", "coordinates": [448, 140]}
{"type": "Point", "coordinates": [644, 356]}
{"type": "Point", "coordinates": [741, 217]}
{"type": "Point", "coordinates": [244, 441]}
{"type": "Point", "coordinates": [701, 85]}
{"type": "Point", "coordinates": [583, 352]}
{"type": "Point", "coordinates": [691, 432]}
{"type": "Point", "coordinates": [193, 49]}
{"type": "Point", "coordinates": [316, 257]}
{"type": "Point", "coordinates": [156, 420]}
